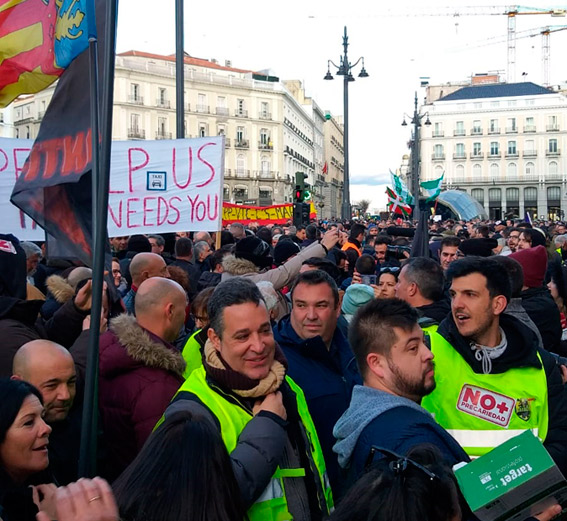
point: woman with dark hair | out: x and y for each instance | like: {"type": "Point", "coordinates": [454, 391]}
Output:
{"type": "Point", "coordinates": [183, 471]}
{"type": "Point", "coordinates": [386, 282]}
{"type": "Point", "coordinates": [415, 487]}
{"type": "Point", "coordinates": [23, 453]}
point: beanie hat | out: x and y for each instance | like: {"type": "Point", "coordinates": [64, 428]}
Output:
{"type": "Point", "coordinates": [255, 250]}
{"type": "Point", "coordinates": [481, 247]}
{"type": "Point", "coordinates": [139, 244]}
{"type": "Point", "coordinates": [284, 250]}
{"type": "Point", "coordinates": [534, 264]}
{"type": "Point", "coordinates": [355, 297]}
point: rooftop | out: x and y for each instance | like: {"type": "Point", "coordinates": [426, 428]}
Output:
{"type": "Point", "coordinates": [497, 90]}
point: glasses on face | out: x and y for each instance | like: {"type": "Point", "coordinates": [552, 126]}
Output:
{"type": "Point", "coordinates": [398, 464]}
{"type": "Point", "coordinates": [392, 269]}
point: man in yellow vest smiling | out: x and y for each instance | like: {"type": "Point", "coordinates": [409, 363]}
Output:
{"type": "Point", "coordinates": [492, 380]}
{"type": "Point", "coordinates": [260, 412]}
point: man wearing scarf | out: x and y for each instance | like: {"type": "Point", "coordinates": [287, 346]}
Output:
{"type": "Point", "coordinates": [261, 413]}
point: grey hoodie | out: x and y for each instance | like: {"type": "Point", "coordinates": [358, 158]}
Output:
{"type": "Point", "coordinates": [366, 404]}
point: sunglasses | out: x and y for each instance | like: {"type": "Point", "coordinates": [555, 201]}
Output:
{"type": "Point", "coordinates": [392, 269]}
{"type": "Point", "coordinates": [398, 464]}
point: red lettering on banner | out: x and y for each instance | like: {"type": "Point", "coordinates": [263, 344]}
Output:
{"type": "Point", "coordinates": [502, 407]}
{"type": "Point", "coordinates": [216, 207]}
{"type": "Point", "coordinates": [148, 210]}
{"type": "Point", "coordinates": [129, 212]}
{"type": "Point", "coordinates": [192, 203]}
{"type": "Point", "coordinates": [5, 161]}
{"type": "Point", "coordinates": [161, 201]}
{"type": "Point", "coordinates": [17, 168]}
{"type": "Point", "coordinates": [201, 205]}
{"type": "Point", "coordinates": [175, 209]}
{"type": "Point", "coordinates": [132, 168]}
{"type": "Point", "coordinates": [471, 396]}
{"type": "Point", "coordinates": [207, 164]}
{"type": "Point", "coordinates": [481, 403]}
{"type": "Point", "coordinates": [189, 173]}
{"type": "Point", "coordinates": [488, 402]}
{"type": "Point", "coordinates": [113, 217]}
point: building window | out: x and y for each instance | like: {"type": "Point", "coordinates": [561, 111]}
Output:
{"type": "Point", "coordinates": [203, 130]}
{"type": "Point", "coordinates": [438, 130]}
{"type": "Point", "coordinates": [494, 171]}
{"type": "Point", "coordinates": [202, 104]}
{"type": "Point", "coordinates": [530, 168]}
{"type": "Point", "coordinates": [438, 152]}
{"type": "Point", "coordinates": [240, 107]}
{"type": "Point", "coordinates": [134, 92]}
{"type": "Point", "coordinates": [265, 194]}
{"type": "Point", "coordinates": [530, 193]}
{"type": "Point", "coordinates": [460, 151]}
{"type": "Point", "coordinates": [476, 149]}
{"type": "Point", "coordinates": [240, 134]}
{"type": "Point", "coordinates": [265, 166]}
{"type": "Point", "coordinates": [477, 172]}
{"type": "Point", "coordinates": [552, 123]}
{"type": "Point", "coordinates": [493, 128]}
{"type": "Point", "coordinates": [240, 194]}
{"type": "Point", "coordinates": [240, 164]}
{"type": "Point", "coordinates": [162, 99]}
{"type": "Point", "coordinates": [476, 128]}
{"type": "Point", "coordinates": [264, 138]}
{"type": "Point", "coordinates": [460, 128]}
{"type": "Point", "coordinates": [221, 130]}
{"type": "Point", "coordinates": [494, 104]}
{"type": "Point", "coordinates": [477, 105]}
{"type": "Point", "coordinates": [460, 173]}
{"type": "Point", "coordinates": [438, 171]}
{"type": "Point", "coordinates": [530, 125]}
{"type": "Point", "coordinates": [553, 193]}
{"type": "Point", "coordinates": [135, 122]}
{"type": "Point", "coordinates": [529, 145]}
{"type": "Point", "coordinates": [264, 110]}
{"type": "Point", "coordinates": [512, 195]}
{"type": "Point", "coordinates": [162, 127]}
{"type": "Point", "coordinates": [552, 146]}
{"type": "Point", "coordinates": [478, 194]}
{"type": "Point", "coordinates": [511, 170]}
{"type": "Point", "coordinates": [494, 195]}
{"type": "Point", "coordinates": [226, 193]}
{"type": "Point", "coordinates": [494, 148]}
{"type": "Point", "coordinates": [552, 168]}
{"type": "Point", "coordinates": [512, 148]}
{"type": "Point", "coordinates": [511, 125]}
{"type": "Point", "coordinates": [27, 132]}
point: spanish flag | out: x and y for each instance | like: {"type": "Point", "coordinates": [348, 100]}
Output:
{"type": "Point", "coordinates": [38, 40]}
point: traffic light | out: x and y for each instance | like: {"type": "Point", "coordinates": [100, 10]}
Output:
{"type": "Point", "coordinates": [299, 186]}
{"type": "Point", "coordinates": [301, 214]}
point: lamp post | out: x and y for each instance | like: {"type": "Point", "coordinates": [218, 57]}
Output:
{"type": "Point", "coordinates": [344, 69]}
{"type": "Point", "coordinates": [415, 153]}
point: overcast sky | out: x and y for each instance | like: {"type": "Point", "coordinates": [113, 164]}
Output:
{"type": "Point", "coordinates": [400, 44]}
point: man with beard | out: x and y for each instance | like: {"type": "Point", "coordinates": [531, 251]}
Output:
{"type": "Point", "coordinates": [398, 371]}
{"type": "Point", "coordinates": [493, 382]}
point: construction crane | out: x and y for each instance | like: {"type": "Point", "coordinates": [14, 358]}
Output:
{"type": "Point", "coordinates": [511, 11]}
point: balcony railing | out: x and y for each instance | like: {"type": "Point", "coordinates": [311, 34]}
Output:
{"type": "Point", "coordinates": [494, 130]}
{"type": "Point", "coordinates": [222, 111]}
{"type": "Point", "coordinates": [529, 153]}
{"type": "Point", "coordinates": [266, 174]}
{"type": "Point", "coordinates": [459, 132]}
{"type": "Point", "coordinates": [459, 155]}
{"type": "Point", "coordinates": [512, 155]}
{"type": "Point", "coordinates": [265, 146]}
{"type": "Point", "coordinates": [163, 135]}
{"type": "Point", "coordinates": [553, 153]}
{"type": "Point", "coordinates": [242, 143]}
{"type": "Point", "coordinates": [242, 173]}
{"type": "Point", "coordinates": [529, 128]}
{"type": "Point", "coordinates": [552, 128]}
{"type": "Point", "coordinates": [511, 130]}
{"type": "Point", "coordinates": [136, 100]}
{"type": "Point", "coordinates": [476, 131]}
{"type": "Point", "coordinates": [265, 115]}
{"type": "Point", "coordinates": [438, 133]}
{"type": "Point", "coordinates": [203, 109]}
{"type": "Point", "coordinates": [477, 155]}
{"type": "Point", "coordinates": [136, 133]}
{"type": "Point", "coordinates": [241, 113]}
{"type": "Point", "coordinates": [494, 155]}
{"type": "Point", "coordinates": [163, 103]}
{"type": "Point", "coordinates": [438, 157]}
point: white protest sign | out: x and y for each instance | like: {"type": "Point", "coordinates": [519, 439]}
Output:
{"type": "Point", "coordinates": [155, 186]}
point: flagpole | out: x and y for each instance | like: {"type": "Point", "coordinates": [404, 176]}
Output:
{"type": "Point", "coordinates": [179, 71]}
{"type": "Point", "coordinates": [88, 450]}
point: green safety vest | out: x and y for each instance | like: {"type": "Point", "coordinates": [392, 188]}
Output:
{"type": "Point", "coordinates": [272, 504]}
{"type": "Point", "coordinates": [481, 411]}
{"type": "Point", "coordinates": [192, 354]}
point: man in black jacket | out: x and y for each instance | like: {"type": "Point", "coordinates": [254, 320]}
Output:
{"type": "Point", "coordinates": [493, 382]}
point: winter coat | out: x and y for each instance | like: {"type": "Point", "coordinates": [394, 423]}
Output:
{"type": "Point", "coordinates": [59, 292]}
{"type": "Point", "coordinates": [436, 311]}
{"type": "Point", "coordinates": [327, 378]}
{"type": "Point", "coordinates": [139, 374]}
{"type": "Point", "coordinates": [19, 324]}
{"type": "Point", "coordinates": [522, 351]}
{"type": "Point", "coordinates": [393, 422]}
{"type": "Point", "coordinates": [543, 310]}
{"type": "Point", "coordinates": [279, 277]}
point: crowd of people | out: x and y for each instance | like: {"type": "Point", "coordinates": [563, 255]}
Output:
{"type": "Point", "coordinates": [281, 372]}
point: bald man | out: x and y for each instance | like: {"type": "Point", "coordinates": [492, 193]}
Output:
{"type": "Point", "coordinates": [140, 370]}
{"type": "Point", "coordinates": [49, 367]}
{"type": "Point", "coordinates": [143, 266]}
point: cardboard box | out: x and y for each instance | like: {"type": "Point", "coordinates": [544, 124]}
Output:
{"type": "Point", "coordinates": [512, 482]}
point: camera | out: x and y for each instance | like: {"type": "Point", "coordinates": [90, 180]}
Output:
{"type": "Point", "coordinates": [368, 279]}
{"type": "Point", "coordinates": [397, 252]}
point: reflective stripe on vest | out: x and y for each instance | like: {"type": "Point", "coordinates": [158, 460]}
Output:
{"type": "Point", "coordinates": [349, 245]}
{"type": "Point", "coordinates": [272, 503]}
{"type": "Point", "coordinates": [483, 410]}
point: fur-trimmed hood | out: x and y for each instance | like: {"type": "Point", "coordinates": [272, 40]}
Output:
{"type": "Point", "coordinates": [61, 290]}
{"type": "Point", "coordinates": [128, 346]}
{"type": "Point", "coordinates": [237, 267]}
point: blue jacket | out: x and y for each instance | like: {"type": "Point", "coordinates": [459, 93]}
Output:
{"type": "Point", "coordinates": [389, 421]}
{"type": "Point", "coordinates": [327, 377]}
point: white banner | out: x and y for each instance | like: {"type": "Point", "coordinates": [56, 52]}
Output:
{"type": "Point", "coordinates": [155, 186]}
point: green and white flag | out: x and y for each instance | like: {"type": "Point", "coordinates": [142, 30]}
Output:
{"type": "Point", "coordinates": [432, 188]}
{"type": "Point", "coordinates": [401, 189]}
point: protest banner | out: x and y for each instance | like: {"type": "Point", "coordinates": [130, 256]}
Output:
{"type": "Point", "coordinates": [155, 186]}
{"type": "Point", "coordinates": [277, 214]}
